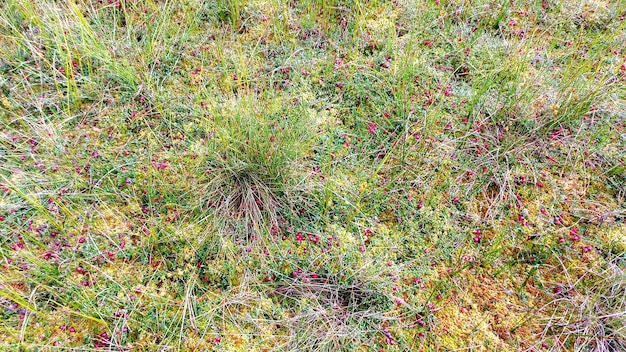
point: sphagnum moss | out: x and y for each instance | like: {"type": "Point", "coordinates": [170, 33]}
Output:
{"type": "Point", "coordinates": [314, 175]}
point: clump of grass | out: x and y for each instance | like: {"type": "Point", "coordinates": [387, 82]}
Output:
{"type": "Point", "coordinates": [329, 314]}
{"type": "Point", "coordinates": [231, 12]}
{"type": "Point", "coordinates": [590, 314]}
{"type": "Point", "coordinates": [254, 167]}
{"type": "Point", "coordinates": [316, 175]}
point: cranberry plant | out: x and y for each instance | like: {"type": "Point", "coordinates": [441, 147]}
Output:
{"type": "Point", "coordinates": [312, 175]}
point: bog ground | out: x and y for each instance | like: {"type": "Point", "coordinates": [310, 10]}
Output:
{"type": "Point", "coordinates": [316, 175]}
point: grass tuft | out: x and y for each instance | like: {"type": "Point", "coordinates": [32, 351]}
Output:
{"type": "Point", "coordinates": [314, 175]}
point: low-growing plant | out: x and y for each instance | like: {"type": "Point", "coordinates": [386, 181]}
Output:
{"type": "Point", "coordinates": [317, 175]}
{"type": "Point", "coordinates": [257, 161]}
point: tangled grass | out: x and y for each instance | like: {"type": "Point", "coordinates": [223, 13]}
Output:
{"type": "Point", "coordinates": [312, 176]}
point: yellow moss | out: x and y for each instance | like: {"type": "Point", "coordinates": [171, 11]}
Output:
{"type": "Point", "coordinates": [5, 102]}
{"type": "Point", "coordinates": [464, 329]}
{"type": "Point", "coordinates": [491, 315]}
